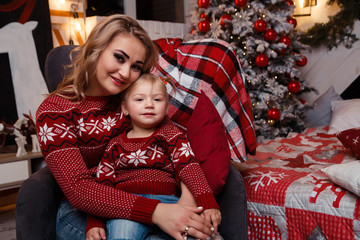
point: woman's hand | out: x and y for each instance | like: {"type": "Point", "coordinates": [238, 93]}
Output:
{"type": "Point", "coordinates": [212, 216]}
{"type": "Point", "coordinates": [96, 233]}
{"type": "Point", "coordinates": [173, 219]}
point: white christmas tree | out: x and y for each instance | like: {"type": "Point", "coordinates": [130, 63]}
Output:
{"type": "Point", "coordinates": [264, 37]}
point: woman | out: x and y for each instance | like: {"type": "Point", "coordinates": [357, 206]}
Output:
{"type": "Point", "coordinates": [75, 123]}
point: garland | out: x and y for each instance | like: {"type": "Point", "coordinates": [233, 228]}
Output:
{"type": "Point", "coordinates": [339, 28]}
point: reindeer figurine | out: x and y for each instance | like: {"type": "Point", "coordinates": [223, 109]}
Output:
{"type": "Point", "coordinates": [24, 131]}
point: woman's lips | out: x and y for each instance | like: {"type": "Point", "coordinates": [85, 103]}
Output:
{"type": "Point", "coordinates": [117, 81]}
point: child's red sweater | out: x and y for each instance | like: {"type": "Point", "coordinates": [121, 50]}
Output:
{"type": "Point", "coordinates": [153, 165]}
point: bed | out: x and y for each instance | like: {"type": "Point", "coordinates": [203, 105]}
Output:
{"type": "Point", "coordinates": [306, 186]}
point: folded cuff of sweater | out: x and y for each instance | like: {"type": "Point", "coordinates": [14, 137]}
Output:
{"type": "Point", "coordinates": [143, 210]}
{"type": "Point", "coordinates": [93, 221]}
{"type": "Point", "coordinates": [207, 201]}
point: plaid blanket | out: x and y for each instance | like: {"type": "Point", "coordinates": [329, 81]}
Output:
{"type": "Point", "coordinates": [212, 66]}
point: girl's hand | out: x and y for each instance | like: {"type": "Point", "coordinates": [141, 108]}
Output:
{"type": "Point", "coordinates": [212, 216]}
{"type": "Point", "coordinates": [96, 233]}
{"type": "Point", "coordinates": [173, 219]}
{"type": "Point", "coordinates": [186, 198]}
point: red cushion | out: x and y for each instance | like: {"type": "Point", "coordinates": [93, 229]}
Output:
{"type": "Point", "coordinates": [206, 134]}
{"type": "Point", "coordinates": [351, 139]}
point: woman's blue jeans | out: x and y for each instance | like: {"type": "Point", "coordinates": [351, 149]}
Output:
{"type": "Point", "coordinates": [71, 224]}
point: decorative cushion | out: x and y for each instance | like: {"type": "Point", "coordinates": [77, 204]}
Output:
{"type": "Point", "coordinates": [346, 115]}
{"type": "Point", "coordinates": [345, 175]}
{"type": "Point", "coordinates": [209, 65]}
{"type": "Point", "coordinates": [206, 134]}
{"type": "Point", "coordinates": [320, 115]}
{"type": "Point", "coordinates": [351, 139]}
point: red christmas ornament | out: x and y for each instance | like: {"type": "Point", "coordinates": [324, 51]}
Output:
{"type": "Point", "coordinates": [292, 21]}
{"type": "Point", "coordinates": [287, 75]}
{"type": "Point", "coordinates": [274, 114]}
{"type": "Point", "coordinates": [290, 2]}
{"type": "Point", "coordinates": [270, 35]}
{"type": "Point", "coordinates": [240, 3]}
{"type": "Point", "coordinates": [302, 62]}
{"type": "Point", "coordinates": [204, 26]}
{"type": "Point", "coordinates": [293, 86]}
{"type": "Point", "coordinates": [223, 17]}
{"type": "Point", "coordinates": [262, 60]}
{"type": "Point", "coordinates": [260, 25]}
{"type": "Point", "coordinates": [281, 51]}
{"type": "Point", "coordinates": [203, 3]}
{"type": "Point", "coordinates": [192, 31]}
{"type": "Point", "coordinates": [204, 16]}
{"type": "Point", "coordinates": [285, 39]}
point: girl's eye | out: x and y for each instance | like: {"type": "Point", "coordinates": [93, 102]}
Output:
{"type": "Point", "coordinates": [119, 57]}
{"type": "Point", "coordinates": [139, 99]}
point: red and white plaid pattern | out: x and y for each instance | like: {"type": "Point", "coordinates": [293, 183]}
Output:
{"type": "Point", "coordinates": [212, 66]}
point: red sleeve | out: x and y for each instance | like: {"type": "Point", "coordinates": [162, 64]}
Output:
{"type": "Point", "coordinates": [93, 221]}
{"type": "Point", "coordinates": [190, 172]}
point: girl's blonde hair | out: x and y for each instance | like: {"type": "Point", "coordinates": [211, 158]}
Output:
{"type": "Point", "coordinates": [83, 66]}
{"type": "Point", "coordinates": [148, 77]}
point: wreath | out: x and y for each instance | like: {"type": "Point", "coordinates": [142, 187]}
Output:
{"type": "Point", "coordinates": [338, 30]}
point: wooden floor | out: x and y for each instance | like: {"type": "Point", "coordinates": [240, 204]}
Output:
{"type": "Point", "coordinates": [7, 223]}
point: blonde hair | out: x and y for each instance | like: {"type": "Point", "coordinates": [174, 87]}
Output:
{"type": "Point", "coordinates": [148, 77]}
{"type": "Point", "coordinates": [83, 66]}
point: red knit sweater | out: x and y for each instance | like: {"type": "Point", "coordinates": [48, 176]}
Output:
{"type": "Point", "coordinates": [153, 165]}
{"type": "Point", "coordinates": [73, 137]}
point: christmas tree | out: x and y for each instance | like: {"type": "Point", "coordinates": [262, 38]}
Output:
{"type": "Point", "coordinates": [264, 37]}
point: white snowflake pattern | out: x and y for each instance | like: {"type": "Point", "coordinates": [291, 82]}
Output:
{"type": "Point", "coordinates": [108, 123]}
{"type": "Point", "coordinates": [273, 177]}
{"type": "Point", "coordinates": [186, 149]}
{"type": "Point", "coordinates": [138, 157]}
{"type": "Point", "coordinates": [106, 169]}
{"type": "Point", "coordinates": [81, 126]}
{"type": "Point", "coordinates": [356, 140]}
{"type": "Point", "coordinates": [46, 134]}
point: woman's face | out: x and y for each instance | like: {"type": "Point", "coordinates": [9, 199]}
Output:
{"type": "Point", "coordinates": [119, 65]}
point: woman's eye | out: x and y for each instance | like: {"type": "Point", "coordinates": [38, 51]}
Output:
{"type": "Point", "coordinates": [119, 57]}
{"type": "Point", "coordinates": [137, 68]}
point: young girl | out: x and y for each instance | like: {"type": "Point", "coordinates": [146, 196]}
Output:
{"type": "Point", "coordinates": [76, 122]}
{"type": "Point", "coordinates": [150, 159]}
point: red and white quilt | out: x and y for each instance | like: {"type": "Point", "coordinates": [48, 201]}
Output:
{"type": "Point", "coordinates": [288, 195]}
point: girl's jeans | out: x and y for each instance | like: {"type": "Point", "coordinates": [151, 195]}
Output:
{"type": "Point", "coordinates": [71, 224]}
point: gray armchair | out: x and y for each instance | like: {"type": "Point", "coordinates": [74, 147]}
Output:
{"type": "Point", "coordinates": [39, 196]}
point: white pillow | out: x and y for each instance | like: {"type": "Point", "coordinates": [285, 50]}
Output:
{"type": "Point", "coordinates": [345, 175]}
{"type": "Point", "coordinates": [345, 115]}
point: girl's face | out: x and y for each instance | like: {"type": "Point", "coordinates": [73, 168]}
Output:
{"type": "Point", "coordinates": [119, 65]}
{"type": "Point", "coordinates": [146, 103]}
